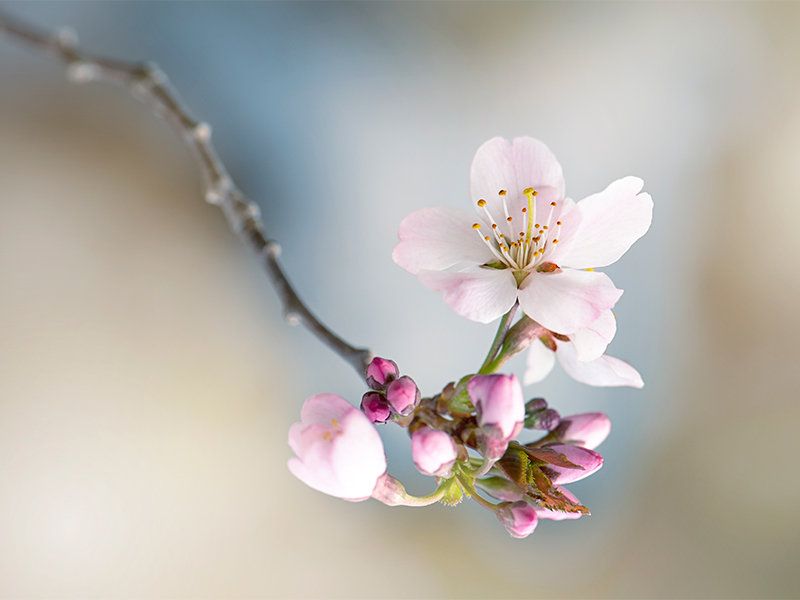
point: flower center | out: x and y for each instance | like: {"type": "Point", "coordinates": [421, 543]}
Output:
{"type": "Point", "coordinates": [521, 243]}
{"type": "Point", "coordinates": [333, 431]}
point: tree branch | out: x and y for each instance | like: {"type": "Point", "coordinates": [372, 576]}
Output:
{"type": "Point", "coordinates": [148, 83]}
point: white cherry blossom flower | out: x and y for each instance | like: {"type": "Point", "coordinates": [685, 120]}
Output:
{"type": "Point", "coordinates": [529, 243]}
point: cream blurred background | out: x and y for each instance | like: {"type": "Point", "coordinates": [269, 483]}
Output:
{"type": "Point", "coordinates": [147, 379]}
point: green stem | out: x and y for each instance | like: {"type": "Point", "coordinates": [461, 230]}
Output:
{"type": "Point", "coordinates": [491, 358]}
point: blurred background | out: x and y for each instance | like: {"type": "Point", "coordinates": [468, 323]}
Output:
{"type": "Point", "coordinates": [147, 379]}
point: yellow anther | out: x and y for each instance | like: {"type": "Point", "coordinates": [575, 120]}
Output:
{"type": "Point", "coordinates": [494, 225]}
{"type": "Point", "coordinates": [487, 238]}
{"type": "Point", "coordinates": [335, 422]}
{"type": "Point", "coordinates": [555, 241]}
{"type": "Point", "coordinates": [537, 226]}
{"type": "Point", "coordinates": [553, 203]}
{"type": "Point", "coordinates": [558, 223]}
{"type": "Point", "coordinates": [481, 202]}
{"type": "Point", "coordinates": [476, 225]}
{"type": "Point", "coordinates": [502, 193]}
{"type": "Point", "coordinates": [509, 219]}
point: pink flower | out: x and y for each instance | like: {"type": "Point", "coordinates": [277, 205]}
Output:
{"type": "Point", "coordinates": [501, 410]}
{"type": "Point", "coordinates": [433, 451]}
{"type": "Point", "coordinates": [381, 371]}
{"type": "Point", "coordinates": [519, 518]}
{"type": "Point", "coordinates": [587, 460]}
{"type": "Point", "coordinates": [338, 450]}
{"type": "Point", "coordinates": [587, 430]}
{"type": "Point", "coordinates": [559, 515]}
{"type": "Point", "coordinates": [528, 243]}
{"type": "Point", "coordinates": [403, 395]}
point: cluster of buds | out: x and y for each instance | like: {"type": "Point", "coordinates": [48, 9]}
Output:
{"type": "Point", "coordinates": [390, 395]}
{"type": "Point", "coordinates": [465, 437]}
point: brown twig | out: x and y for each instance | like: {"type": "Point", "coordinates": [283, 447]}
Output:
{"type": "Point", "coordinates": [148, 83]}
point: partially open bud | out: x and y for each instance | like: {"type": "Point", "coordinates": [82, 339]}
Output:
{"type": "Point", "coordinates": [433, 451]}
{"type": "Point", "coordinates": [501, 488]}
{"type": "Point", "coordinates": [500, 405]}
{"type": "Point", "coordinates": [519, 518]}
{"type": "Point", "coordinates": [545, 420]}
{"type": "Point", "coordinates": [587, 461]}
{"type": "Point", "coordinates": [375, 406]}
{"type": "Point", "coordinates": [588, 429]}
{"type": "Point", "coordinates": [380, 372]}
{"type": "Point", "coordinates": [403, 395]}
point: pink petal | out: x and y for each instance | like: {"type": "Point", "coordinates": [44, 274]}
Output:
{"type": "Point", "coordinates": [605, 371]}
{"type": "Point", "coordinates": [611, 221]}
{"type": "Point", "coordinates": [591, 341]}
{"type": "Point", "coordinates": [567, 300]}
{"type": "Point", "coordinates": [358, 458]}
{"type": "Point", "coordinates": [322, 408]}
{"type": "Point", "coordinates": [588, 430]}
{"type": "Point", "coordinates": [540, 362]}
{"type": "Point", "coordinates": [500, 164]}
{"type": "Point", "coordinates": [480, 294]}
{"type": "Point", "coordinates": [439, 238]}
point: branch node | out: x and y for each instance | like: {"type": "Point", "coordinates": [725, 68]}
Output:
{"type": "Point", "coordinates": [272, 249]}
{"type": "Point", "coordinates": [292, 318]}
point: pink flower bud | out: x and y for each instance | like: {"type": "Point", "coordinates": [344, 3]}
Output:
{"type": "Point", "coordinates": [519, 518]}
{"type": "Point", "coordinates": [339, 452]}
{"type": "Point", "coordinates": [381, 371]}
{"type": "Point", "coordinates": [403, 395]}
{"type": "Point", "coordinates": [433, 451]}
{"type": "Point", "coordinates": [375, 407]}
{"type": "Point", "coordinates": [587, 461]}
{"type": "Point", "coordinates": [588, 429]}
{"type": "Point", "coordinates": [500, 405]}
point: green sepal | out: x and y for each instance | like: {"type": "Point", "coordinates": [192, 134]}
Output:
{"type": "Point", "coordinates": [453, 492]}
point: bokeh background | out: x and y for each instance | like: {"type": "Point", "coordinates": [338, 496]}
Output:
{"type": "Point", "coordinates": [147, 378]}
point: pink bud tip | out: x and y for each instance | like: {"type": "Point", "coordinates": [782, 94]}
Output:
{"type": "Point", "coordinates": [433, 451]}
{"type": "Point", "coordinates": [375, 406]}
{"type": "Point", "coordinates": [588, 429]}
{"type": "Point", "coordinates": [499, 402]}
{"type": "Point", "coordinates": [381, 371]}
{"type": "Point", "coordinates": [519, 518]}
{"type": "Point", "coordinates": [587, 461]}
{"type": "Point", "coordinates": [403, 395]}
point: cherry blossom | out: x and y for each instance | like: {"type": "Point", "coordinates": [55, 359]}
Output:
{"type": "Point", "coordinates": [529, 243]}
{"type": "Point", "coordinates": [338, 451]}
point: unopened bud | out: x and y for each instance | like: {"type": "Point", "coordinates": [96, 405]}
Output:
{"type": "Point", "coordinates": [499, 403]}
{"type": "Point", "coordinates": [403, 395]}
{"type": "Point", "coordinates": [588, 429]}
{"type": "Point", "coordinates": [381, 371]}
{"type": "Point", "coordinates": [545, 420]}
{"type": "Point", "coordinates": [375, 407]}
{"type": "Point", "coordinates": [519, 518]}
{"type": "Point", "coordinates": [433, 451]}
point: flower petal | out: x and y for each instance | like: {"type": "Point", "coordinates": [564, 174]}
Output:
{"type": "Point", "coordinates": [514, 165]}
{"type": "Point", "coordinates": [589, 462]}
{"type": "Point", "coordinates": [567, 300]}
{"type": "Point", "coordinates": [591, 341]}
{"type": "Point", "coordinates": [611, 221]}
{"type": "Point", "coordinates": [540, 362]}
{"type": "Point", "coordinates": [439, 238]}
{"type": "Point", "coordinates": [480, 294]}
{"type": "Point", "coordinates": [605, 371]}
